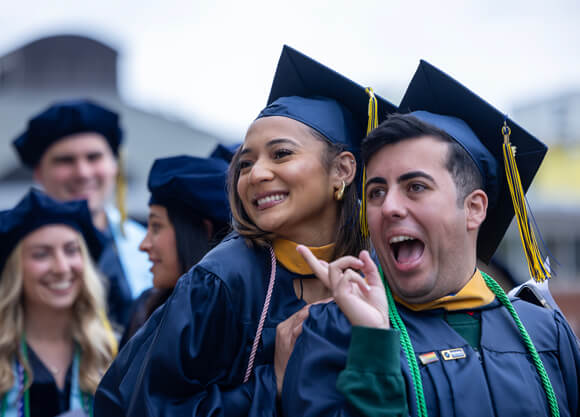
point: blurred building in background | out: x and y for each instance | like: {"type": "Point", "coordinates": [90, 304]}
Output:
{"type": "Point", "coordinates": [66, 66]}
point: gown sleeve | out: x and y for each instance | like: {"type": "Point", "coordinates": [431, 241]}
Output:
{"type": "Point", "coordinates": [372, 381]}
{"type": "Point", "coordinates": [188, 360]}
{"type": "Point", "coordinates": [326, 378]}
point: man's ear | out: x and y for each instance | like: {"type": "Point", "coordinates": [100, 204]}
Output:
{"type": "Point", "coordinates": [475, 205]}
{"type": "Point", "coordinates": [344, 168]}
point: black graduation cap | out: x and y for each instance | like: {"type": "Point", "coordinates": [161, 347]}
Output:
{"type": "Point", "coordinates": [37, 209]}
{"type": "Point", "coordinates": [62, 119]}
{"type": "Point", "coordinates": [321, 98]}
{"type": "Point", "coordinates": [198, 184]}
{"type": "Point", "coordinates": [437, 99]}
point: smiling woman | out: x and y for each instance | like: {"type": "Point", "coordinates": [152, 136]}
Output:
{"type": "Point", "coordinates": [220, 344]}
{"type": "Point", "coordinates": [55, 342]}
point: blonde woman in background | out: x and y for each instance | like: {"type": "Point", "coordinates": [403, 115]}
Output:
{"type": "Point", "coordinates": [55, 344]}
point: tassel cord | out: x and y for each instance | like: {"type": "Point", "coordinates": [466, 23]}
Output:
{"type": "Point", "coordinates": [373, 122]}
{"type": "Point", "coordinates": [536, 267]}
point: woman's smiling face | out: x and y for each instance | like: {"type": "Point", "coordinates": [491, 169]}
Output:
{"type": "Point", "coordinates": [284, 185]}
{"type": "Point", "coordinates": [52, 267]}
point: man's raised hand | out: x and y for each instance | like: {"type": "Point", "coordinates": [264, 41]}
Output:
{"type": "Point", "coordinates": [362, 300]}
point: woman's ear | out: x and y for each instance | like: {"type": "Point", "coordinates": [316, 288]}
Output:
{"type": "Point", "coordinates": [475, 209]}
{"type": "Point", "coordinates": [37, 174]}
{"type": "Point", "coordinates": [344, 168]}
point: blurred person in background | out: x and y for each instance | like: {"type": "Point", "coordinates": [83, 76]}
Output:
{"type": "Point", "coordinates": [188, 215]}
{"type": "Point", "coordinates": [225, 152]}
{"type": "Point", "coordinates": [73, 148]}
{"type": "Point", "coordinates": [55, 342]}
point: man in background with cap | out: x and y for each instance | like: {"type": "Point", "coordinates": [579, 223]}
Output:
{"type": "Point", "coordinates": [73, 148]}
{"type": "Point", "coordinates": [440, 337]}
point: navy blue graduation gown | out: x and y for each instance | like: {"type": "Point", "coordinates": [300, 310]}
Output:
{"type": "Point", "coordinates": [119, 297]}
{"type": "Point", "coordinates": [499, 380]}
{"type": "Point", "coordinates": [191, 356]}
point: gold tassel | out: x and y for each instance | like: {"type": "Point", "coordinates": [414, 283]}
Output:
{"type": "Point", "coordinates": [110, 333]}
{"type": "Point", "coordinates": [121, 191]}
{"type": "Point", "coordinates": [538, 270]}
{"type": "Point", "coordinates": [373, 122]}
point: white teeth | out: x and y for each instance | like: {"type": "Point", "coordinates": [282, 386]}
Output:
{"type": "Point", "coordinates": [402, 238]}
{"type": "Point", "coordinates": [61, 285]}
{"type": "Point", "coordinates": [270, 198]}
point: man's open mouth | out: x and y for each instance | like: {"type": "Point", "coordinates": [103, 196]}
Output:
{"type": "Point", "coordinates": [406, 249]}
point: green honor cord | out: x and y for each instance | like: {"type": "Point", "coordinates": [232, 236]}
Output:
{"type": "Point", "coordinates": [407, 346]}
{"type": "Point", "coordinates": [398, 324]}
{"type": "Point", "coordinates": [503, 298]}
{"type": "Point", "coordinates": [25, 381]}
{"type": "Point", "coordinates": [84, 399]}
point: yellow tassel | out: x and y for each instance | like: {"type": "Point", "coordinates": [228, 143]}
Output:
{"type": "Point", "coordinates": [373, 122]}
{"type": "Point", "coordinates": [373, 111]}
{"type": "Point", "coordinates": [110, 333]}
{"type": "Point", "coordinates": [121, 191]}
{"type": "Point", "coordinates": [538, 270]}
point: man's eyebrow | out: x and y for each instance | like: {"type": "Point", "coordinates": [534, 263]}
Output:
{"type": "Point", "coordinates": [414, 174]}
{"type": "Point", "coordinates": [64, 157]}
{"type": "Point", "coordinates": [375, 180]}
{"type": "Point", "coordinates": [404, 177]}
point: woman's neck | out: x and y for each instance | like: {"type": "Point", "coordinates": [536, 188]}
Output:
{"type": "Point", "coordinates": [49, 335]}
{"type": "Point", "coordinates": [308, 238]}
{"type": "Point", "coordinates": [47, 324]}
{"type": "Point", "coordinates": [315, 232]}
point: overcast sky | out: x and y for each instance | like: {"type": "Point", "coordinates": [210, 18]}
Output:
{"type": "Point", "coordinates": [211, 63]}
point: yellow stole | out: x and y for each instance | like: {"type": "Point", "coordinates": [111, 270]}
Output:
{"type": "Point", "coordinates": [474, 294]}
{"type": "Point", "coordinates": [288, 256]}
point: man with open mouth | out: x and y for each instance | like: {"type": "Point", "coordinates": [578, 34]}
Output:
{"type": "Point", "coordinates": [425, 332]}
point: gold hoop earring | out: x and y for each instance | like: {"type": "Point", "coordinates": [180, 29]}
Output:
{"type": "Point", "coordinates": [339, 194]}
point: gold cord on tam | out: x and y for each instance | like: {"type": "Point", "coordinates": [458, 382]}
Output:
{"type": "Point", "coordinates": [121, 191]}
{"type": "Point", "coordinates": [538, 270]}
{"type": "Point", "coordinates": [373, 122]}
